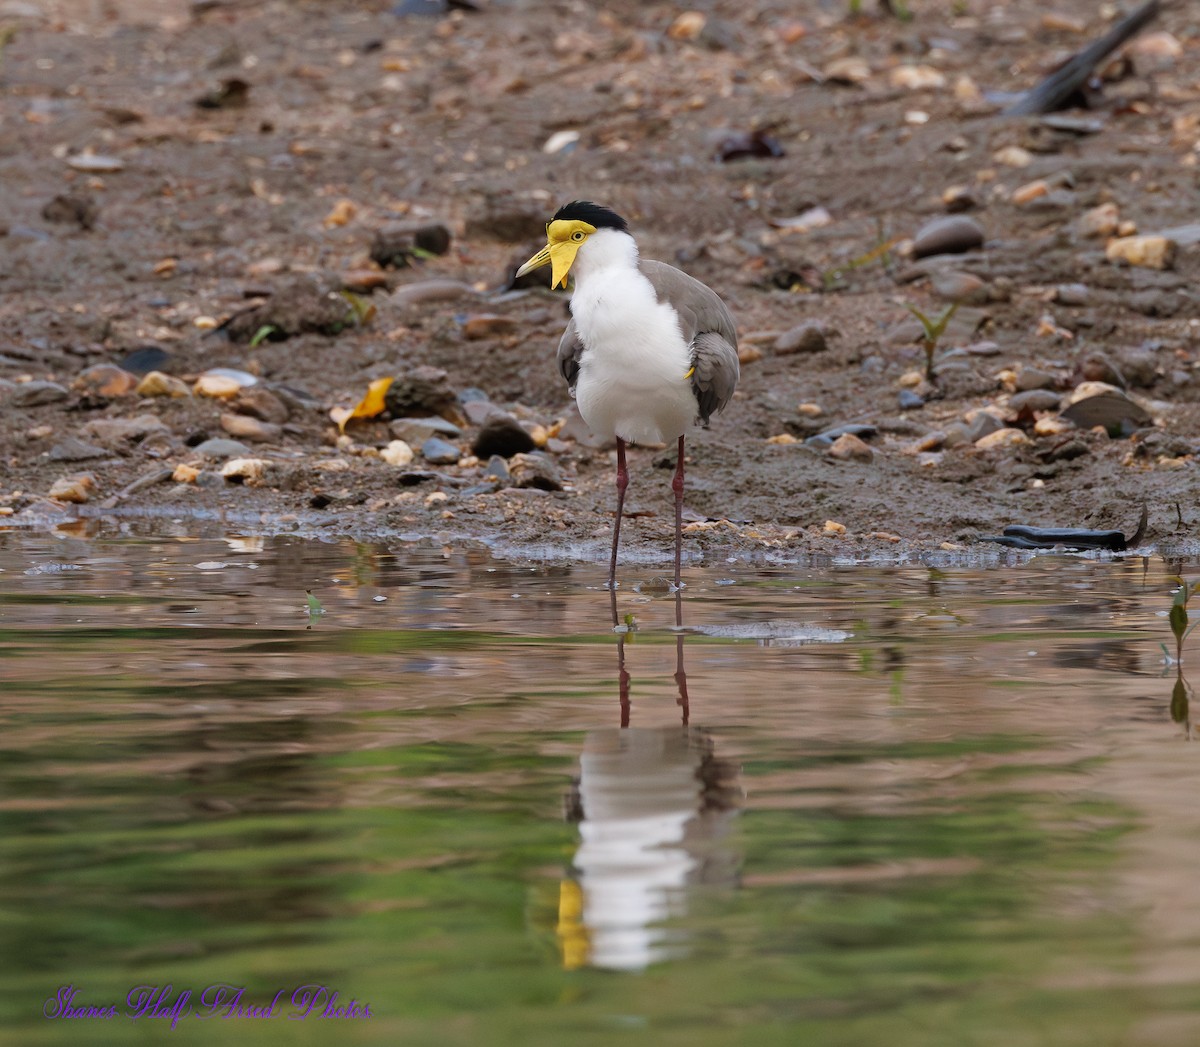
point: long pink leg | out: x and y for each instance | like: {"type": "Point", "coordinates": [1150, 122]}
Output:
{"type": "Point", "coordinates": [622, 483]}
{"type": "Point", "coordinates": [677, 487]}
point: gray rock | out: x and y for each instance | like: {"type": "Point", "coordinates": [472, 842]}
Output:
{"type": "Point", "coordinates": [1139, 366]}
{"type": "Point", "coordinates": [208, 479]}
{"type": "Point", "coordinates": [34, 394]}
{"type": "Point", "coordinates": [1033, 400]}
{"type": "Point", "coordinates": [415, 431]}
{"type": "Point", "coordinates": [471, 393]}
{"type": "Point", "coordinates": [910, 401]}
{"type": "Point", "coordinates": [981, 423]}
{"type": "Point", "coordinates": [1111, 409]}
{"type": "Point", "coordinates": [115, 433]}
{"type": "Point", "coordinates": [807, 337]}
{"type": "Point", "coordinates": [827, 437]}
{"type": "Point", "coordinates": [221, 447]}
{"type": "Point", "coordinates": [1067, 452]}
{"type": "Point", "coordinates": [501, 435]}
{"type": "Point", "coordinates": [422, 391]}
{"type": "Point", "coordinates": [949, 234]}
{"type": "Point", "coordinates": [437, 451]}
{"type": "Point", "coordinates": [1155, 303]}
{"type": "Point", "coordinates": [1097, 367]}
{"type": "Point", "coordinates": [960, 287]}
{"type": "Point", "coordinates": [956, 435]}
{"type": "Point", "coordinates": [1034, 378]}
{"type": "Point", "coordinates": [497, 467]}
{"type": "Point", "coordinates": [478, 412]}
{"type": "Point", "coordinates": [72, 449]}
{"type": "Point", "coordinates": [247, 427]}
{"type": "Point", "coordinates": [535, 470]}
{"type": "Point", "coordinates": [1072, 294]}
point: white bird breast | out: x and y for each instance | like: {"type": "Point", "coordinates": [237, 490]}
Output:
{"type": "Point", "coordinates": [632, 375]}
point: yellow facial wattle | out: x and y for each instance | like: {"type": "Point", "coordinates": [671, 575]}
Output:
{"type": "Point", "coordinates": [564, 239]}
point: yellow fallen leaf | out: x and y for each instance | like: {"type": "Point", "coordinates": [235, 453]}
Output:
{"type": "Point", "coordinates": [370, 406]}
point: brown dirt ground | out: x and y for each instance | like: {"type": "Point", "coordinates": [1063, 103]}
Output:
{"type": "Point", "coordinates": [446, 116]}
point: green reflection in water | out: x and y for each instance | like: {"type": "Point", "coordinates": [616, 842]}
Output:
{"type": "Point", "coordinates": [437, 906]}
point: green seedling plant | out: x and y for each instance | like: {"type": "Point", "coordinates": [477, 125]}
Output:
{"type": "Point", "coordinates": [881, 253]}
{"type": "Point", "coordinates": [932, 331]}
{"type": "Point", "coordinates": [312, 607]}
{"type": "Point", "coordinates": [1178, 619]}
{"type": "Point", "coordinates": [262, 334]}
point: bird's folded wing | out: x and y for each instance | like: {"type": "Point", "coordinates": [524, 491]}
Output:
{"type": "Point", "coordinates": [714, 373]}
{"type": "Point", "coordinates": [570, 349]}
{"type": "Point", "coordinates": [707, 326]}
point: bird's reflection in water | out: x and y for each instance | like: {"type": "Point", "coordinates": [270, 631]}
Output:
{"type": "Point", "coordinates": [654, 807]}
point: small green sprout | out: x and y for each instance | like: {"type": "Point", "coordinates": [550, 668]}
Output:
{"type": "Point", "coordinates": [262, 334]}
{"type": "Point", "coordinates": [362, 310]}
{"type": "Point", "coordinates": [933, 331]}
{"type": "Point", "coordinates": [313, 607]}
{"type": "Point", "coordinates": [1178, 619]}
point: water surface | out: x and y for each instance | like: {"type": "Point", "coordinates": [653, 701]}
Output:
{"type": "Point", "coordinates": [847, 804]}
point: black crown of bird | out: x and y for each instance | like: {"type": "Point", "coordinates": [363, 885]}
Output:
{"type": "Point", "coordinates": [649, 351]}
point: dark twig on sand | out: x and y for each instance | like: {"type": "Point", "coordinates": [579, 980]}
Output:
{"type": "Point", "coordinates": [1054, 92]}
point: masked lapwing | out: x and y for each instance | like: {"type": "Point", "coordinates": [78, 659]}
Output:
{"type": "Point", "coordinates": [649, 351]}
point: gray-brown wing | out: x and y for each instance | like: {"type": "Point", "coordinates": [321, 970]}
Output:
{"type": "Point", "coordinates": [708, 328]}
{"type": "Point", "coordinates": [570, 349]}
{"type": "Point", "coordinates": [715, 373]}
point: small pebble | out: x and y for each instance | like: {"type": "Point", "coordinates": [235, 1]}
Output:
{"type": "Point", "coordinates": [501, 435]}
{"type": "Point", "coordinates": [76, 488]}
{"type": "Point", "coordinates": [261, 403]}
{"type": "Point", "coordinates": [918, 78]}
{"type": "Point", "coordinates": [487, 325]}
{"type": "Point", "coordinates": [980, 423]}
{"type": "Point", "coordinates": [415, 431]}
{"type": "Point", "coordinates": [105, 380]}
{"type": "Point", "coordinates": [1013, 156]}
{"type": "Point", "coordinates": [218, 387]}
{"type": "Point", "coordinates": [948, 234]}
{"type": "Point", "coordinates": [247, 427]}
{"type": "Point", "coordinates": [1002, 438]}
{"type": "Point", "coordinates": [1098, 222]}
{"type": "Point", "coordinates": [848, 446]}
{"type": "Point", "coordinates": [116, 433]}
{"type": "Point", "coordinates": [156, 383]}
{"type": "Point", "coordinates": [1151, 252]}
{"type": "Point", "coordinates": [959, 287]}
{"type": "Point", "coordinates": [72, 449]}
{"type": "Point", "coordinates": [910, 401]}
{"type": "Point", "coordinates": [35, 394]}
{"type": "Point", "coordinates": [1033, 400]}
{"type": "Point", "coordinates": [535, 470]}
{"type": "Point", "coordinates": [248, 471]}
{"type": "Point", "coordinates": [807, 337]}
{"type": "Point", "coordinates": [1034, 378]}
{"type": "Point", "coordinates": [498, 468]}
{"type": "Point", "coordinates": [397, 453]}
{"type": "Point", "coordinates": [1072, 294]}
{"type": "Point", "coordinates": [220, 447]}
{"type": "Point", "coordinates": [437, 451]}
{"type": "Point", "coordinates": [478, 412]}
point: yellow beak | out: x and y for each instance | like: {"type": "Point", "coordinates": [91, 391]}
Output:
{"type": "Point", "coordinates": [560, 254]}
